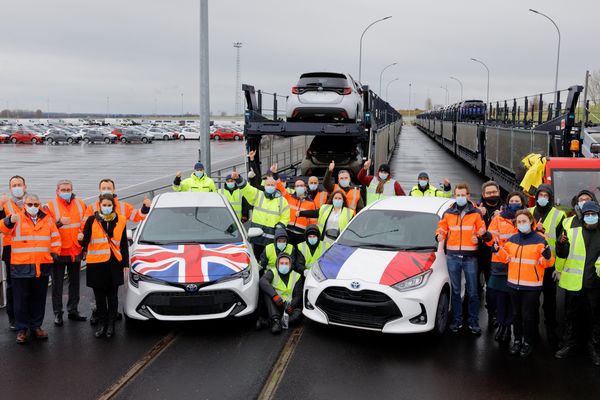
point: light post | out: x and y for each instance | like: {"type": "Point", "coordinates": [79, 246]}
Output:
{"type": "Point", "coordinates": [461, 87]}
{"type": "Point", "coordinates": [488, 80]}
{"type": "Point", "coordinates": [557, 54]}
{"type": "Point", "coordinates": [204, 112]}
{"type": "Point", "coordinates": [360, 50]}
{"type": "Point", "coordinates": [447, 93]}
{"type": "Point", "coordinates": [381, 75]}
{"type": "Point", "coordinates": [388, 86]}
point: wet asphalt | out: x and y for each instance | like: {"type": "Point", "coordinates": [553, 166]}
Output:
{"type": "Point", "coordinates": [230, 360]}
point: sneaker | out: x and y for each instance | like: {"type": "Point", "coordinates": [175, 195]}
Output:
{"type": "Point", "coordinates": [11, 326]}
{"type": "Point", "coordinates": [455, 327]}
{"type": "Point", "coordinates": [475, 330]}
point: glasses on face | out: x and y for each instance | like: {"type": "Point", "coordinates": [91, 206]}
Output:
{"type": "Point", "coordinates": [492, 193]}
{"type": "Point", "coordinates": [32, 204]}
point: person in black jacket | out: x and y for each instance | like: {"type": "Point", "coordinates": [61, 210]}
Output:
{"type": "Point", "coordinates": [105, 276]}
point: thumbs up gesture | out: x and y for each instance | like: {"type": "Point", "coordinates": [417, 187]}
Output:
{"type": "Point", "coordinates": [14, 218]}
{"type": "Point", "coordinates": [147, 201]}
{"type": "Point", "coordinates": [3, 200]}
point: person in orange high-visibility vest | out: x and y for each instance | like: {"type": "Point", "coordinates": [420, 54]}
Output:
{"type": "Point", "coordinates": [105, 239]}
{"type": "Point", "coordinates": [351, 192]}
{"type": "Point", "coordinates": [67, 211]}
{"type": "Point", "coordinates": [316, 192]}
{"type": "Point", "coordinates": [527, 254]}
{"type": "Point", "coordinates": [35, 243]}
{"type": "Point", "coordinates": [107, 186]}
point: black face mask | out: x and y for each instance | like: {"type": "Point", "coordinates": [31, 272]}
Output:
{"type": "Point", "coordinates": [492, 200]}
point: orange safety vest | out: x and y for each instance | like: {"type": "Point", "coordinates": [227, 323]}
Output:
{"type": "Point", "coordinates": [320, 199]}
{"type": "Point", "coordinates": [501, 229]}
{"type": "Point", "coordinates": [352, 195]}
{"type": "Point", "coordinates": [101, 245]}
{"type": "Point", "coordinates": [127, 210]}
{"type": "Point", "coordinates": [10, 207]}
{"type": "Point", "coordinates": [459, 232]}
{"type": "Point", "coordinates": [32, 244]}
{"type": "Point", "coordinates": [75, 210]}
{"type": "Point", "coordinates": [297, 204]}
{"type": "Point", "coordinates": [524, 266]}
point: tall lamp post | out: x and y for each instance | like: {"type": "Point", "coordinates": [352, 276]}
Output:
{"type": "Point", "coordinates": [447, 93]}
{"type": "Point", "coordinates": [381, 75]}
{"type": "Point", "coordinates": [557, 54]}
{"type": "Point", "coordinates": [461, 87]}
{"type": "Point", "coordinates": [360, 50]}
{"type": "Point", "coordinates": [488, 79]}
{"type": "Point", "coordinates": [388, 86]}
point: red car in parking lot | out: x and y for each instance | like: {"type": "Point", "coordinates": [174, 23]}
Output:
{"type": "Point", "coordinates": [227, 134]}
{"type": "Point", "coordinates": [25, 136]}
{"type": "Point", "coordinates": [118, 132]}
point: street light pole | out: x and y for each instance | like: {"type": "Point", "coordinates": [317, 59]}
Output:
{"type": "Point", "coordinates": [381, 75]}
{"type": "Point", "coordinates": [557, 54]}
{"type": "Point", "coordinates": [238, 46]}
{"type": "Point", "coordinates": [360, 50]}
{"type": "Point", "coordinates": [447, 94]}
{"type": "Point", "coordinates": [488, 80]}
{"type": "Point", "coordinates": [204, 150]}
{"type": "Point", "coordinates": [388, 86]}
{"type": "Point", "coordinates": [461, 87]}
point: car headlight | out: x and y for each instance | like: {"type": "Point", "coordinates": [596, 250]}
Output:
{"type": "Point", "coordinates": [135, 278]}
{"type": "Point", "coordinates": [317, 273]}
{"type": "Point", "coordinates": [245, 275]}
{"type": "Point", "coordinates": [413, 282]}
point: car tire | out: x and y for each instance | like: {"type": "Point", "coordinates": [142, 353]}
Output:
{"type": "Point", "coordinates": [70, 140]}
{"type": "Point", "coordinates": [166, 137]}
{"type": "Point", "coordinates": [442, 313]}
{"type": "Point", "coordinates": [107, 140]}
{"type": "Point", "coordinates": [34, 140]}
{"type": "Point", "coordinates": [216, 137]}
{"type": "Point", "coordinates": [13, 140]}
{"type": "Point", "coordinates": [123, 140]}
{"type": "Point", "coordinates": [181, 137]}
{"type": "Point", "coordinates": [236, 137]}
{"type": "Point", "coordinates": [86, 140]}
{"type": "Point", "coordinates": [144, 140]}
{"type": "Point", "coordinates": [50, 141]}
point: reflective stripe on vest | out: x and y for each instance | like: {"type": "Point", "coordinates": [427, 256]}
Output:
{"type": "Point", "coordinates": [235, 199]}
{"type": "Point", "coordinates": [326, 210]}
{"type": "Point", "coordinates": [388, 190]}
{"type": "Point", "coordinates": [310, 260]}
{"type": "Point", "coordinates": [571, 277]}
{"type": "Point", "coordinates": [550, 225]}
{"type": "Point", "coordinates": [283, 290]}
{"type": "Point", "coordinates": [272, 253]}
{"type": "Point", "coordinates": [100, 247]}
{"type": "Point", "coordinates": [352, 196]}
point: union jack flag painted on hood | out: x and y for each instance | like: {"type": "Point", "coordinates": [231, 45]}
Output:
{"type": "Point", "coordinates": [190, 263]}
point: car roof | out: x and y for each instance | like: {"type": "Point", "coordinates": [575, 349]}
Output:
{"type": "Point", "coordinates": [433, 205]}
{"type": "Point", "coordinates": [189, 199]}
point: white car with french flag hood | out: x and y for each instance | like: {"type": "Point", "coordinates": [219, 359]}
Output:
{"type": "Point", "coordinates": [191, 260]}
{"type": "Point", "coordinates": [385, 272]}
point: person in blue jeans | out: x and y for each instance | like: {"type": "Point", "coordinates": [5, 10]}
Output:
{"type": "Point", "coordinates": [461, 227]}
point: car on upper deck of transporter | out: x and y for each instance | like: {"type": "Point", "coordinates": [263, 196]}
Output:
{"type": "Point", "coordinates": [191, 260]}
{"type": "Point", "coordinates": [385, 272]}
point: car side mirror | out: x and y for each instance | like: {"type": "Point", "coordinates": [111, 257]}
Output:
{"type": "Point", "coordinates": [255, 232]}
{"type": "Point", "coordinates": [595, 148]}
{"type": "Point", "coordinates": [332, 233]}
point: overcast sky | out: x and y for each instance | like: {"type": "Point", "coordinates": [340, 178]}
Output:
{"type": "Point", "coordinates": [144, 53]}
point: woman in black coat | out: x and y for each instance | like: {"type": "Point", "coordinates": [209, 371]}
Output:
{"type": "Point", "coordinates": [105, 277]}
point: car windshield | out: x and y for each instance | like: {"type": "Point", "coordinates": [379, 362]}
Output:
{"type": "Point", "coordinates": [190, 225]}
{"type": "Point", "coordinates": [568, 182]}
{"type": "Point", "coordinates": [392, 229]}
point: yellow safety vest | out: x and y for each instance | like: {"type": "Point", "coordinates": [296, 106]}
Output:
{"type": "Point", "coordinates": [430, 192]}
{"type": "Point", "coordinates": [310, 260]}
{"type": "Point", "coordinates": [272, 253]}
{"type": "Point", "coordinates": [284, 291]}
{"type": "Point", "coordinates": [571, 277]}
{"type": "Point", "coordinates": [549, 225]}
{"type": "Point", "coordinates": [235, 199]}
{"type": "Point", "coordinates": [388, 190]}
{"type": "Point", "coordinates": [267, 212]}
{"type": "Point", "coordinates": [326, 210]}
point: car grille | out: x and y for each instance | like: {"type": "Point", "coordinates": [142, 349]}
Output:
{"type": "Point", "coordinates": [364, 308]}
{"type": "Point", "coordinates": [199, 303]}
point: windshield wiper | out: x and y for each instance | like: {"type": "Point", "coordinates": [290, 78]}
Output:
{"type": "Point", "coordinates": [415, 248]}
{"type": "Point", "coordinates": [380, 246]}
{"type": "Point", "coordinates": [373, 234]}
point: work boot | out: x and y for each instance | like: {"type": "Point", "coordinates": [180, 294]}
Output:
{"type": "Point", "coordinates": [110, 329]}
{"type": "Point", "coordinates": [568, 350]}
{"type": "Point", "coordinates": [58, 320]}
{"type": "Point", "coordinates": [507, 335]}
{"type": "Point", "coordinates": [500, 333]}
{"type": "Point", "coordinates": [75, 316]}
{"type": "Point", "coordinates": [40, 334]}
{"type": "Point", "coordinates": [526, 350]}
{"type": "Point", "coordinates": [276, 326]}
{"type": "Point", "coordinates": [11, 325]}
{"type": "Point", "coordinates": [516, 347]}
{"type": "Point", "coordinates": [21, 337]}
{"type": "Point", "coordinates": [569, 346]}
{"type": "Point", "coordinates": [101, 330]}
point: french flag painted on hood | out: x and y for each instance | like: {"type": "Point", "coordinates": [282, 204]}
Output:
{"type": "Point", "coordinates": [375, 266]}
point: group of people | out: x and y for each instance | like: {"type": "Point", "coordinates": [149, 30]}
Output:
{"type": "Point", "coordinates": [40, 241]}
{"type": "Point", "coordinates": [523, 252]}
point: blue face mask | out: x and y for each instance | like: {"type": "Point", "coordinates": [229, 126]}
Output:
{"type": "Point", "coordinates": [313, 186]}
{"type": "Point", "coordinates": [283, 268]}
{"type": "Point", "coordinates": [542, 201]}
{"type": "Point", "coordinates": [338, 203]}
{"type": "Point", "coordinates": [199, 174]}
{"type": "Point", "coordinates": [461, 201]}
{"type": "Point", "coordinates": [590, 219]}
{"type": "Point", "coordinates": [32, 211]}
{"type": "Point", "coordinates": [423, 182]}
{"type": "Point", "coordinates": [524, 228]}
{"type": "Point", "coordinates": [514, 206]}
{"type": "Point", "coordinates": [270, 189]}
{"type": "Point", "coordinates": [66, 196]}
{"type": "Point", "coordinates": [18, 192]}
{"type": "Point", "coordinates": [106, 210]}
{"type": "Point", "coordinates": [312, 240]}
{"type": "Point", "coordinates": [230, 185]}
{"type": "Point", "coordinates": [344, 183]}
{"type": "Point", "coordinates": [281, 246]}
{"type": "Point", "coordinates": [300, 190]}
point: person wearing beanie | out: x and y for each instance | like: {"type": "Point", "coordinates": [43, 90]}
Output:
{"type": "Point", "coordinates": [549, 221]}
{"type": "Point", "coordinates": [424, 189]}
{"type": "Point", "coordinates": [381, 185]}
{"type": "Point", "coordinates": [272, 250]}
{"type": "Point", "coordinates": [579, 245]}
{"type": "Point", "coordinates": [197, 182]}
{"type": "Point", "coordinates": [309, 251]}
{"type": "Point", "coordinates": [234, 195]}
{"type": "Point", "coordinates": [281, 288]}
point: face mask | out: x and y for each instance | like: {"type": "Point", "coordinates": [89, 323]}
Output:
{"type": "Point", "coordinates": [283, 268]}
{"type": "Point", "coordinates": [106, 192]}
{"type": "Point", "coordinates": [337, 203]}
{"type": "Point", "coordinates": [65, 196]}
{"type": "Point", "coordinates": [492, 200]}
{"type": "Point", "coordinates": [590, 219]}
{"type": "Point", "coordinates": [281, 246]}
{"type": "Point", "coordinates": [300, 190]}
{"type": "Point", "coordinates": [18, 191]}
{"type": "Point", "coordinates": [514, 207]}
{"type": "Point", "coordinates": [581, 203]}
{"type": "Point", "coordinates": [383, 175]}
{"type": "Point", "coordinates": [344, 183]}
{"type": "Point", "coordinates": [423, 182]}
{"type": "Point", "coordinates": [312, 240]}
{"type": "Point", "coordinates": [313, 186]}
{"type": "Point", "coordinates": [542, 201]}
{"type": "Point", "coordinates": [230, 185]}
{"type": "Point", "coordinates": [270, 189]}
{"type": "Point", "coordinates": [524, 228]}
{"type": "Point", "coordinates": [33, 211]}
{"type": "Point", "coordinates": [461, 201]}
{"type": "Point", "coordinates": [199, 174]}
{"type": "Point", "coordinates": [106, 210]}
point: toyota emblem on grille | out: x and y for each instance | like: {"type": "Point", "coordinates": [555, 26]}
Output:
{"type": "Point", "coordinates": [192, 287]}
{"type": "Point", "coordinates": [355, 285]}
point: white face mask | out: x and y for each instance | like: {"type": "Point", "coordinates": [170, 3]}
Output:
{"type": "Point", "coordinates": [383, 175]}
{"type": "Point", "coordinates": [313, 186]}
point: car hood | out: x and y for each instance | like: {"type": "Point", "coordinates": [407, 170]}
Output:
{"type": "Point", "coordinates": [374, 266]}
{"type": "Point", "coordinates": [190, 263]}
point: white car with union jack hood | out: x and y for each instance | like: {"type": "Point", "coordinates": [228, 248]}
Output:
{"type": "Point", "coordinates": [191, 260]}
{"type": "Point", "coordinates": [385, 272]}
